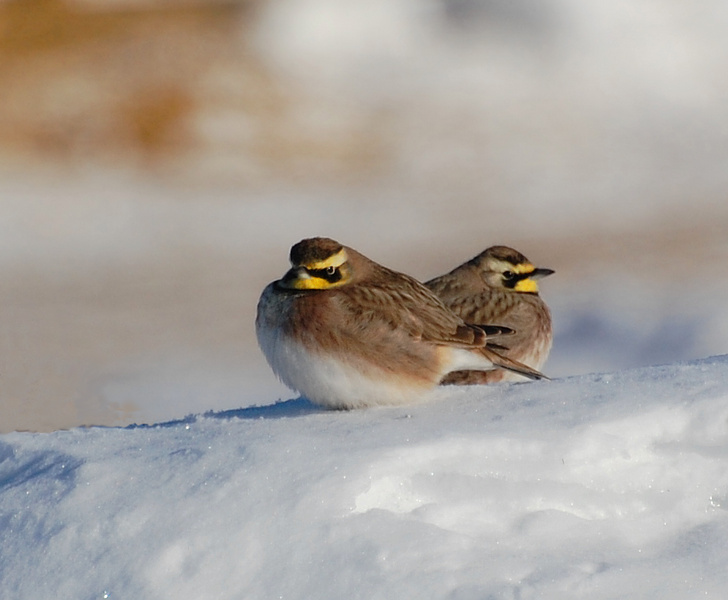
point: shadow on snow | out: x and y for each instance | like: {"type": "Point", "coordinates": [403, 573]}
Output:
{"type": "Point", "coordinates": [295, 407]}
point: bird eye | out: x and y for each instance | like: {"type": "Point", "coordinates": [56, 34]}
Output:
{"type": "Point", "coordinates": [508, 275]}
{"type": "Point", "coordinates": [330, 270]}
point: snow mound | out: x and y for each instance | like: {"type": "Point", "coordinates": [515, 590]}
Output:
{"type": "Point", "coordinates": [598, 486]}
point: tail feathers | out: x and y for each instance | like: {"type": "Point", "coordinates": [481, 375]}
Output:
{"type": "Point", "coordinates": [510, 364]}
{"type": "Point", "coordinates": [495, 330]}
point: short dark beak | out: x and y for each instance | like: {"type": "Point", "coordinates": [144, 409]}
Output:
{"type": "Point", "coordinates": [539, 273]}
{"type": "Point", "coordinates": [294, 274]}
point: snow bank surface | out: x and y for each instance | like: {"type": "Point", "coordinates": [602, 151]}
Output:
{"type": "Point", "coordinates": [597, 486]}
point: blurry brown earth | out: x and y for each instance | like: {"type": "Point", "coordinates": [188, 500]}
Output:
{"type": "Point", "coordinates": [154, 85]}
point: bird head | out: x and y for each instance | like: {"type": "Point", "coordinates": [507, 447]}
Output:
{"type": "Point", "coordinates": [317, 264]}
{"type": "Point", "coordinates": [506, 268]}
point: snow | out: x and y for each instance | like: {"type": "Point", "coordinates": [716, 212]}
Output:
{"type": "Point", "coordinates": [595, 486]}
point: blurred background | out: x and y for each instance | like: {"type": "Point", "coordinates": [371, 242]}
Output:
{"type": "Point", "coordinates": [158, 158]}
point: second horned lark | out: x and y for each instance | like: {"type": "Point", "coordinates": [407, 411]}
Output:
{"type": "Point", "coordinates": [346, 332]}
{"type": "Point", "coordinates": [499, 286]}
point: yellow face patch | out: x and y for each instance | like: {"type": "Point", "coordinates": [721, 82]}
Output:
{"type": "Point", "coordinates": [321, 275]}
{"type": "Point", "coordinates": [526, 285]}
{"type": "Point", "coordinates": [308, 283]}
{"type": "Point", "coordinates": [523, 268]}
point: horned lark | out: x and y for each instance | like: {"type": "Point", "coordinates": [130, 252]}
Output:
{"type": "Point", "coordinates": [499, 286]}
{"type": "Point", "coordinates": [346, 332]}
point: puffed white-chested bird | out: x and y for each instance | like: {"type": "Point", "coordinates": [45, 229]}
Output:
{"type": "Point", "coordinates": [346, 332]}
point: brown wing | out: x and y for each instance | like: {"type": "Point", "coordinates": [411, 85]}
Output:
{"type": "Point", "coordinates": [404, 303]}
{"type": "Point", "coordinates": [487, 306]}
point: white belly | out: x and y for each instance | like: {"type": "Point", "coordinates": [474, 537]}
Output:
{"type": "Point", "coordinates": [334, 383]}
